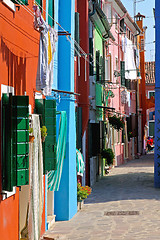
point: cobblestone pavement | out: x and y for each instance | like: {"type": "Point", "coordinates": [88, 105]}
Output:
{"type": "Point", "coordinates": [128, 189]}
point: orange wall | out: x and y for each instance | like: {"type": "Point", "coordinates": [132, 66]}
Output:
{"type": "Point", "coordinates": [19, 47]}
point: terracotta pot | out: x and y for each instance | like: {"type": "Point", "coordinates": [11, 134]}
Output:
{"type": "Point", "coordinates": [31, 139]}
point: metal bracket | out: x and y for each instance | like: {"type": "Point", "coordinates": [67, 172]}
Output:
{"type": "Point", "coordinates": [64, 33]}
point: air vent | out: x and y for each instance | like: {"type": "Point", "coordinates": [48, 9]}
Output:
{"type": "Point", "coordinates": [121, 213]}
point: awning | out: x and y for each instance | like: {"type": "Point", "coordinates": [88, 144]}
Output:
{"type": "Point", "coordinates": [100, 22]}
{"type": "Point", "coordinates": [80, 163]}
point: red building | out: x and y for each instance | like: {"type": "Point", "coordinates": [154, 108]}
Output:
{"type": "Point", "coordinates": [19, 48]}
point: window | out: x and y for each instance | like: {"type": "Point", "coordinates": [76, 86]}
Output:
{"type": "Point", "coordinates": [122, 71]}
{"type": "Point", "coordinates": [125, 27]}
{"type": "Point", "coordinates": [116, 22]}
{"type": "Point", "coordinates": [108, 12]}
{"type": "Point", "coordinates": [97, 65]}
{"type": "Point", "coordinates": [151, 128]}
{"type": "Point", "coordinates": [108, 68]}
{"type": "Point", "coordinates": [151, 94]}
{"type": "Point", "coordinates": [122, 25]}
{"type": "Point", "coordinates": [152, 115]}
{"type": "Point", "coordinates": [107, 74]}
{"type": "Point", "coordinates": [129, 34]}
{"type": "Point", "coordinates": [117, 67]}
{"type": "Point", "coordinates": [76, 32]}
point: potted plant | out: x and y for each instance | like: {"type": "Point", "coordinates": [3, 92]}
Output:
{"type": "Point", "coordinates": [31, 137]}
{"type": "Point", "coordinates": [108, 155]}
{"type": "Point", "coordinates": [43, 133]}
{"type": "Point", "coordinates": [82, 193]}
{"type": "Point", "coordinates": [116, 122]}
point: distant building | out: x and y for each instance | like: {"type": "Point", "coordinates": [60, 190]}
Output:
{"type": "Point", "coordinates": [150, 92]}
{"type": "Point", "coordinates": [150, 72]}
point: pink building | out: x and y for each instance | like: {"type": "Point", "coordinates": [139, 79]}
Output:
{"type": "Point", "coordinates": [121, 62]}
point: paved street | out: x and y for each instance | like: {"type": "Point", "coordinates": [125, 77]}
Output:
{"type": "Point", "coordinates": [123, 205]}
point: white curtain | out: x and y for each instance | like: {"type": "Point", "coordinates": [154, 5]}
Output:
{"type": "Point", "coordinates": [36, 183]}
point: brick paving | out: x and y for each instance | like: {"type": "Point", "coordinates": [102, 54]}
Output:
{"type": "Point", "coordinates": [128, 188]}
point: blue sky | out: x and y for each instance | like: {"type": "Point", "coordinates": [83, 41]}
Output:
{"type": "Point", "coordinates": [145, 8]}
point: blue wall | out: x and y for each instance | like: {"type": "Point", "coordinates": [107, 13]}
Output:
{"type": "Point", "coordinates": [157, 99]}
{"type": "Point", "coordinates": [66, 197]}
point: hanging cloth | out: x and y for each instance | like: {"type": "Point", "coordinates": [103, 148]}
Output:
{"type": "Point", "coordinates": [36, 183]}
{"type": "Point", "coordinates": [80, 163]}
{"type": "Point", "coordinates": [48, 37]}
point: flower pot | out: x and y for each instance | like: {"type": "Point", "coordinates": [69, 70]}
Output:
{"type": "Point", "coordinates": [31, 139]}
{"type": "Point", "coordinates": [80, 205]}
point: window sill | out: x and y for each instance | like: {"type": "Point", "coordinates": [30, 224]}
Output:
{"type": "Point", "coordinates": [6, 194]}
{"type": "Point", "coordinates": [9, 4]}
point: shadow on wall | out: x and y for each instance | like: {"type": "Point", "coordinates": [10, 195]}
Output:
{"type": "Point", "coordinates": [16, 68]}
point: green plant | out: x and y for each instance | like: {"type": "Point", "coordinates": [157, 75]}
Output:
{"type": "Point", "coordinates": [116, 122]}
{"type": "Point", "coordinates": [30, 130]}
{"type": "Point", "coordinates": [82, 192]}
{"type": "Point", "coordinates": [130, 134]}
{"type": "Point", "coordinates": [43, 131]}
{"type": "Point", "coordinates": [108, 155]}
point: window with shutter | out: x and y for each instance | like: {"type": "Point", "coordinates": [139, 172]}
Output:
{"type": "Point", "coordinates": [47, 110]}
{"type": "Point", "coordinates": [122, 73]}
{"type": "Point", "coordinates": [15, 141]}
{"type": "Point", "coordinates": [97, 65]}
{"type": "Point", "coordinates": [50, 12]}
{"type": "Point", "coordinates": [76, 32]}
{"type": "Point", "coordinates": [21, 2]}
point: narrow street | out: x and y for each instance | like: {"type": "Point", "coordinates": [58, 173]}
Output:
{"type": "Point", "coordinates": [123, 205]}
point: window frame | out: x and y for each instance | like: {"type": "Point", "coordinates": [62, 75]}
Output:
{"type": "Point", "coordinates": [6, 89]}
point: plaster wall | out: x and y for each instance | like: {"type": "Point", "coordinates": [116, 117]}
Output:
{"type": "Point", "coordinates": [19, 47]}
{"type": "Point", "coordinates": [66, 198]}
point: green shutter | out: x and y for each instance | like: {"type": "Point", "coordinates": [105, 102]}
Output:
{"type": "Point", "coordinates": [47, 110]}
{"type": "Point", "coordinates": [15, 157]}
{"type": "Point", "coordinates": [91, 70]}
{"type": "Point", "coordinates": [50, 12]}
{"type": "Point", "coordinates": [79, 127]}
{"type": "Point", "coordinates": [122, 73]}
{"type": "Point", "coordinates": [76, 31]}
{"type": "Point", "coordinates": [20, 138]}
{"type": "Point", "coordinates": [97, 65]}
{"type": "Point", "coordinates": [39, 2]}
{"type": "Point", "coordinates": [22, 2]}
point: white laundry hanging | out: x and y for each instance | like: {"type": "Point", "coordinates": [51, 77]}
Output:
{"type": "Point", "coordinates": [130, 68]}
{"type": "Point", "coordinates": [48, 37]}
